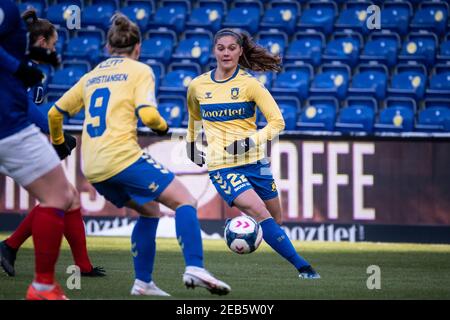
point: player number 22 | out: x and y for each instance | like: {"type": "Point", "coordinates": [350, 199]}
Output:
{"type": "Point", "coordinates": [97, 109]}
{"type": "Point", "coordinates": [235, 179]}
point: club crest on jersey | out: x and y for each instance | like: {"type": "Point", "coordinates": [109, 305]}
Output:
{"type": "Point", "coordinates": [234, 93]}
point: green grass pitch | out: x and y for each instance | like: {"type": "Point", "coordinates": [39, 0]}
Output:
{"type": "Point", "coordinates": [408, 271]}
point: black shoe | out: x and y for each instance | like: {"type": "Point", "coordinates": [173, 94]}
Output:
{"type": "Point", "coordinates": [7, 258]}
{"type": "Point", "coordinates": [95, 272]}
{"type": "Point", "coordinates": [308, 273]}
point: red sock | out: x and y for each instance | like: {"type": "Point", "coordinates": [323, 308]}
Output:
{"type": "Point", "coordinates": [22, 233]}
{"type": "Point", "coordinates": [76, 237]}
{"type": "Point", "coordinates": [47, 230]}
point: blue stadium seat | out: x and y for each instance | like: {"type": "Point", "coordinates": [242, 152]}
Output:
{"type": "Point", "coordinates": [332, 79]}
{"type": "Point", "coordinates": [177, 80]}
{"type": "Point", "coordinates": [139, 11]}
{"type": "Point", "coordinates": [159, 44]}
{"type": "Point", "coordinates": [56, 13]}
{"type": "Point", "coordinates": [65, 78]}
{"type": "Point", "coordinates": [440, 82]}
{"type": "Point", "coordinates": [214, 10]}
{"type": "Point", "coordinates": [444, 50]}
{"type": "Point", "coordinates": [319, 114]}
{"type": "Point", "coordinates": [382, 47]}
{"type": "Point", "coordinates": [319, 15]}
{"type": "Point", "coordinates": [344, 47]}
{"type": "Point", "coordinates": [86, 45]}
{"type": "Point", "coordinates": [171, 15]}
{"type": "Point", "coordinates": [266, 78]}
{"type": "Point", "coordinates": [396, 16]}
{"type": "Point", "coordinates": [409, 80]}
{"type": "Point", "coordinates": [275, 41]}
{"type": "Point", "coordinates": [281, 15]}
{"type": "Point", "coordinates": [357, 116]}
{"type": "Point", "coordinates": [196, 47]}
{"type": "Point", "coordinates": [289, 107]}
{"type": "Point", "coordinates": [307, 47]}
{"type": "Point", "coordinates": [420, 47]}
{"type": "Point", "coordinates": [158, 70]}
{"type": "Point", "coordinates": [395, 119]}
{"type": "Point", "coordinates": [79, 3]}
{"type": "Point", "coordinates": [243, 17]}
{"type": "Point", "coordinates": [294, 81]}
{"type": "Point", "coordinates": [38, 5]}
{"type": "Point", "coordinates": [370, 80]}
{"type": "Point", "coordinates": [434, 119]}
{"type": "Point", "coordinates": [432, 15]}
{"type": "Point", "coordinates": [354, 17]}
{"type": "Point", "coordinates": [172, 109]}
{"type": "Point", "coordinates": [98, 15]}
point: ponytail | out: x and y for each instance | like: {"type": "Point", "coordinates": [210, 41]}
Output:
{"type": "Point", "coordinates": [37, 27]}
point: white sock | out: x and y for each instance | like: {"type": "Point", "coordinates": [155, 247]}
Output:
{"type": "Point", "coordinates": [42, 286]}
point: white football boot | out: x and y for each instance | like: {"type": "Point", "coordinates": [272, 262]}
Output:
{"type": "Point", "coordinates": [200, 277]}
{"type": "Point", "coordinates": [141, 288]}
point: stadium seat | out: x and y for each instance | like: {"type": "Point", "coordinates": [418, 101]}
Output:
{"type": "Point", "coordinates": [319, 114]}
{"type": "Point", "coordinates": [409, 80]}
{"type": "Point", "coordinates": [357, 116]}
{"type": "Point", "coordinates": [440, 82]}
{"type": "Point", "coordinates": [158, 45]}
{"type": "Point", "coordinates": [158, 70]}
{"type": "Point", "coordinates": [434, 119]}
{"type": "Point", "coordinates": [420, 47]}
{"type": "Point", "coordinates": [65, 78]}
{"type": "Point", "coordinates": [319, 15]}
{"type": "Point", "coordinates": [444, 50]}
{"type": "Point", "coordinates": [171, 15]}
{"type": "Point", "coordinates": [275, 41]}
{"type": "Point", "coordinates": [196, 47]}
{"type": "Point", "coordinates": [370, 80]}
{"type": "Point", "coordinates": [243, 17]}
{"type": "Point", "coordinates": [354, 17]}
{"type": "Point", "coordinates": [38, 5]}
{"type": "Point", "coordinates": [98, 15]}
{"type": "Point", "coordinates": [79, 3]}
{"type": "Point", "coordinates": [177, 81]}
{"type": "Point", "coordinates": [382, 47]}
{"type": "Point", "coordinates": [294, 80]}
{"type": "Point", "coordinates": [307, 47]}
{"type": "Point", "coordinates": [432, 15]}
{"type": "Point", "coordinates": [86, 45]}
{"type": "Point", "coordinates": [396, 16]}
{"type": "Point", "coordinates": [289, 107]}
{"type": "Point", "coordinates": [395, 119]}
{"type": "Point", "coordinates": [172, 109]}
{"type": "Point", "coordinates": [281, 15]}
{"type": "Point", "coordinates": [139, 11]}
{"type": "Point", "coordinates": [63, 36]}
{"type": "Point", "coordinates": [332, 79]}
{"type": "Point", "coordinates": [214, 10]}
{"type": "Point", "coordinates": [344, 47]}
{"type": "Point", "coordinates": [113, 3]}
{"type": "Point", "coordinates": [266, 78]}
{"type": "Point", "coordinates": [57, 14]}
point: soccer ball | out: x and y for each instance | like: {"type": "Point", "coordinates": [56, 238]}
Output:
{"type": "Point", "coordinates": [243, 234]}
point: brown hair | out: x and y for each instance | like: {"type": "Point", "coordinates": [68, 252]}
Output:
{"type": "Point", "coordinates": [123, 34]}
{"type": "Point", "coordinates": [254, 57]}
{"type": "Point", "coordinates": [37, 27]}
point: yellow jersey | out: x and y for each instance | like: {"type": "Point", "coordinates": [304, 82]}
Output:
{"type": "Point", "coordinates": [227, 111]}
{"type": "Point", "coordinates": [111, 94]}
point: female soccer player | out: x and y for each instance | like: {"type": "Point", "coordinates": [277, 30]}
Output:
{"type": "Point", "coordinates": [43, 37]}
{"type": "Point", "coordinates": [27, 156]}
{"type": "Point", "coordinates": [114, 95]}
{"type": "Point", "coordinates": [225, 100]}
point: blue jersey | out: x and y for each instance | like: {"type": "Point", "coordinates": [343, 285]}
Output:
{"type": "Point", "coordinates": [14, 98]}
{"type": "Point", "coordinates": [36, 97]}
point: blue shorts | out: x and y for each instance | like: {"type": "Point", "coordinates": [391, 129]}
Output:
{"type": "Point", "coordinates": [231, 182]}
{"type": "Point", "coordinates": [142, 182]}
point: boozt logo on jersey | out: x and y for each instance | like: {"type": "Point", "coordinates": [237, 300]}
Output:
{"type": "Point", "coordinates": [234, 93]}
{"type": "Point", "coordinates": [227, 111]}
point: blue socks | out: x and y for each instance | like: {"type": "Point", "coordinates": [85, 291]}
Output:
{"type": "Point", "coordinates": [189, 235]}
{"type": "Point", "coordinates": [279, 241]}
{"type": "Point", "coordinates": [143, 247]}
